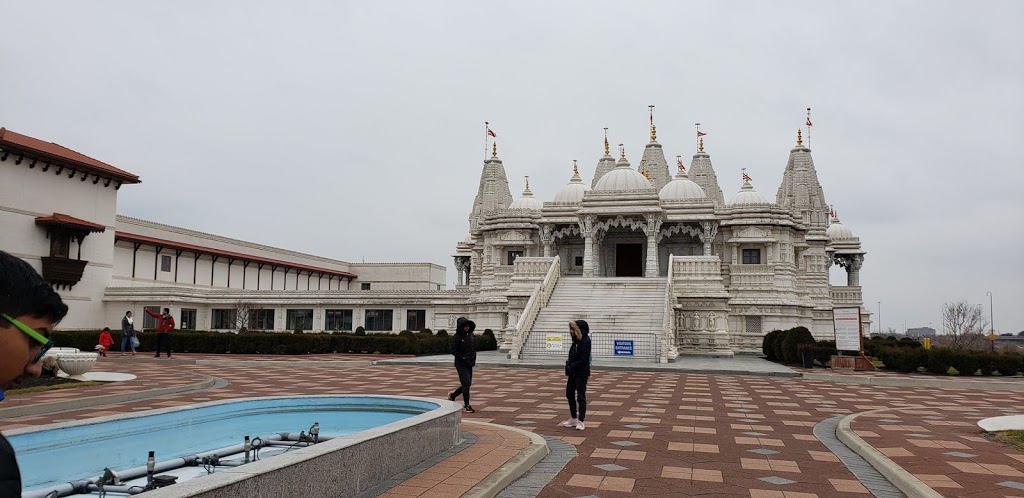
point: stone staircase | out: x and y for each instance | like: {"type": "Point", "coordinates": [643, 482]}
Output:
{"type": "Point", "coordinates": [617, 308]}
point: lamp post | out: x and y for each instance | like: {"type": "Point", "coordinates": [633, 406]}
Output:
{"type": "Point", "coordinates": [991, 323]}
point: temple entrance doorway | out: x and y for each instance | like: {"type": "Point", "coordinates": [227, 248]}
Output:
{"type": "Point", "coordinates": [629, 260]}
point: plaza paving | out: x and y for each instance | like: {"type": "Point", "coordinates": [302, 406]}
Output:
{"type": "Point", "coordinates": [650, 433]}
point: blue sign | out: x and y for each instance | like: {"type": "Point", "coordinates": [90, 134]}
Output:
{"type": "Point", "coordinates": [623, 347]}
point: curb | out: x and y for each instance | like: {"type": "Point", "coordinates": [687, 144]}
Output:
{"type": "Point", "coordinates": [994, 385]}
{"type": "Point", "coordinates": [106, 399]}
{"type": "Point", "coordinates": [898, 476]}
{"type": "Point", "coordinates": [513, 469]}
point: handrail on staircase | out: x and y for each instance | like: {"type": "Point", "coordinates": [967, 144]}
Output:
{"type": "Point", "coordinates": [667, 332]}
{"type": "Point", "coordinates": [538, 299]}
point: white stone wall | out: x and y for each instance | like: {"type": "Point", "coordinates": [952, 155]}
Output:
{"type": "Point", "coordinates": [26, 193]}
{"type": "Point", "coordinates": [400, 276]}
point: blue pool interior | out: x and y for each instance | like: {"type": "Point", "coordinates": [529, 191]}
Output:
{"type": "Point", "coordinates": [56, 456]}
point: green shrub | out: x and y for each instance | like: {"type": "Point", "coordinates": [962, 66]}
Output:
{"type": "Point", "coordinates": [297, 331]}
{"type": "Point", "coordinates": [427, 331]}
{"type": "Point", "coordinates": [824, 350]}
{"type": "Point", "coordinates": [777, 344]}
{"type": "Point", "coordinates": [902, 359]}
{"type": "Point", "coordinates": [488, 332]}
{"type": "Point", "coordinates": [486, 342]}
{"type": "Point", "coordinates": [940, 360]}
{"type": "Point", "coordinates": [407, 333]}
{"type": "Point", "coordinates": [1008, 364]}
{"type": "Point", "coordinates": [442, 333]}
{"type": "Point", "coordinates": [795, 337]}
{"type": "Point", "coordinates": [360, 330]}
{"type": "Point", "coordinates": [768, 345]}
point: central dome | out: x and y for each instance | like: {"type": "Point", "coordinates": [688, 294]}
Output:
{"type": "Point", "coordinates": [572, 193]}
{"type": "Point", "coordinates": [623, 178]}
{"type": "Point", "coordinates": [682, 188]}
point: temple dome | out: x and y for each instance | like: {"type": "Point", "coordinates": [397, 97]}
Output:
{"type": "Point", "coordinates": [527, 201]}
{"type": "Point", "coordinates": [681, 188]}
{"type": "Point", "coordinates": [747, 196]}
{"type": "Point", "coordinates": [623, 178]}
{"type": "Point", "coordinates": [837, 231]}
{"type": "Point", "coordinates": [572, 192]}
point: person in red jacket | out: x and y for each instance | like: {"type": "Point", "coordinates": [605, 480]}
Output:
{"type": "Point", "coordinates": [164, 326]}
{"type": "Point", "coordinates": [105, 341]}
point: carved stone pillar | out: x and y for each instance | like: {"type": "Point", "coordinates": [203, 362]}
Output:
{"type": "Point", "coordinates": [853, 271]}
{"type": "Point", "coordinates": [545, 239]}
{"type": "Point", "coordinates": [707, 236]}
{"type": "Point", "coordinates": [587, 231]}
{"type": "Point", "coordinates": [651, 265]}
{"type": "Point", "coordinates": [599, 252]}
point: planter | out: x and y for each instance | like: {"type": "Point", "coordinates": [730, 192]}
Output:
{"type": "Point", "coordinates": [60, 351]}
{"type": "Point", "coordinates": [807, 358]}
{"type": "Point", "coordinates": [76, 364]}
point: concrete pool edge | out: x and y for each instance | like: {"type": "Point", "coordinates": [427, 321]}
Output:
{"type": "Point", "coordinates": [527, 458]}
{"type": "Point", "coordinates": [337, 467]}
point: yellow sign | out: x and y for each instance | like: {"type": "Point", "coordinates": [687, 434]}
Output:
{"type": "Point", "coordinates": [992, 336]}
{"type": "Point", "coordinates": [927, 342]}
{"type": "Point", "coordinates": [553, 342]}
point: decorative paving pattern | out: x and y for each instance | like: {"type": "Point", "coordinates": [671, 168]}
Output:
{"type": "Point", "coordinates": [674, 433]}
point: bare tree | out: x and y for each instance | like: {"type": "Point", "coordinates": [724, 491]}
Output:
{"type": "Point", "coordinates": [965, 323]}
{"type": "Point", "coordinates": [244, 311]}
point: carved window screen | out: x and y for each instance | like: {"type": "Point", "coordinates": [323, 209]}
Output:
{"type": "Point", "coordinates": [752, 324]}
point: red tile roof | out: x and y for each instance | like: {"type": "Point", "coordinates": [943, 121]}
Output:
{"type": "Point", "coordinates": [60, 154]}
{"type": "Point", "coordinates": [131, 237]}
{"type": "Point", "coordinates": [69, 221]}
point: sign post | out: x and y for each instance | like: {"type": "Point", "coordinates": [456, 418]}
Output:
{"type": "Point", "coordinates": [553, 342]}
{"type": "Point", "coordinates": [623, 347]}
{"type": "Point", "coordinates": [849, 337]}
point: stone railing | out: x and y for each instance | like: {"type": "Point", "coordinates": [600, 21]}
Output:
{"type": "Point", "coordinates": [531, 267]}
{"type": "Point", "coordinates": [668, 351]}
{"type": "Point", "coordinates": [752, 275]}
{"type": "Point", "coordinates": [538, 299]}
{"type": "Point", "coordinates": [846, 295]}
{"type": "Point", "coordinates": [503, 276]}
{"type": "Point", "coordinates": [696, 267]}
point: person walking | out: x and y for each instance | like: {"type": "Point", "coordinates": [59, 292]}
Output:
{"type": "Point", "coordinates": [128, 332]}
{"type": "Point", "coordinates": [105, 341]}
{"type": "Point", "coordinates": [577, 369]}
{"type": "Point", "coordinates": [464, 350]}
{"type": "Point", "coordinates": [29, 308]}
{"type": "Point", "coordinates": [164, 326]}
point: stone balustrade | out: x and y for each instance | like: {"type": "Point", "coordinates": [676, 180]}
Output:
{"type": "Point", "coordinates": [850, 295]}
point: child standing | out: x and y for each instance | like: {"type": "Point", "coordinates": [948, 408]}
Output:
{"type": "Point", "coordinates": [105, 341]}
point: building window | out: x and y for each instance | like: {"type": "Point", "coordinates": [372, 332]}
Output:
{"type": "Point", "coordinates": [261, 319]}
{"type": "Point", "coordinates": [578, 261]}
{"type": "Point", "coordinates": [188, 319]}
{"type": "Point", "coordinates": [752, 324]}
{"type": "Point", "coordinates": [149, 322]}
{"type": "Point", "coordinates": [338, 320]}
{"type": "Point", "coordinates": [223, 319]}
{"type": "Point", "coordinates": [415, 320]}
{"type": "Point", "coordinates": [364, 286]}
{"type": "Point", "coordinates": [512, 255]}
{"type": "Point", "coordinates": [751, 256]}
{"type": "Point", "coordinates": [60, 244]}
{"type": "Point", "coordinates": [378, 320]}
{"type": "Point", "coordinates": [299, 319]}
{"type": "Point", "coordinates": [165, 263]}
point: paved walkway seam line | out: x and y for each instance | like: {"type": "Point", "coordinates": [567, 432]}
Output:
{"type": "Point", "coordinates": [873, 480]}
{"type": "Point", "coordinates": [537, 478]}
{"type": "Point", "coordinates": [513, 469]}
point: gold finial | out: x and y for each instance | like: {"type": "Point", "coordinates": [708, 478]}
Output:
{"type": "Point", "coordinates": [576, 169]}
{"type": "Point", "coordinates": [622, 151]}
{"type": "Point", "coordinates": [700, 144]}
{"type": "Point", "coordinates": [654, 131]}
{"type": "Point", "coordinates": [494, 149]}
{"type": "Point", "coordinates": [527, 182]}
{"type": "Point", "coordinates": [799, 137]}
{"type": "Point", "coordinates": [606, 142]}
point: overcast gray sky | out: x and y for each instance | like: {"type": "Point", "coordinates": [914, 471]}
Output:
{"type": "Point", "coordinates": [354, 130]}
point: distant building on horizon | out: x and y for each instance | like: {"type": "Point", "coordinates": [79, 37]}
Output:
{"type": "Point", "coordinates": [920, 332]}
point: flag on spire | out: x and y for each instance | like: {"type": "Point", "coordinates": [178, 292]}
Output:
{"type": "Point", "coordinates": [809, 121]}
{"type": "Point", "coordinates": [746, 177]}
{"type": "Point", "coordinates": [700, 133]}
{"type": "Point", "coordinates": [491, 132]}
{"type": "Point", "coordinates": [679, 161]}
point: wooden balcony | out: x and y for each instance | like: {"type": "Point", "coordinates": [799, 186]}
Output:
{"type": "Point", "coordinates": [63, 272]}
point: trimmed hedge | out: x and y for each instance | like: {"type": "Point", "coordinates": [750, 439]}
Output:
{"type": "Point", "coordinates": [280, 343]}
{"type": "Point", "coordinates": [794, 338]}
{"type": "Point", "coordinates": [939, 361]}
{"type": "Point", "coordinates": [768, 345]}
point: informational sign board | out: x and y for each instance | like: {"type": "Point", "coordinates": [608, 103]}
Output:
{"type": "Point", "coordinates": [848, 331]}
{"type": "Point", "coordinates": [623, 347]}
{"type": "Point", "coordinates": [553, 342]}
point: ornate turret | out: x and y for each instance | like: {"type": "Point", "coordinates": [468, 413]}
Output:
{"type": "Point", "coordinates": [493, 193]}
{"type": "Point", "coordinates": [703, 173]}
{"type": "Point", "coordinates": [606, 164]}
{"type": "Point", "coordinates": [800, 191]}
{"type": "Point", "coordinates": [654, 159]}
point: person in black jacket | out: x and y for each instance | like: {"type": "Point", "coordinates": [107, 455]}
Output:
{"type": "Point", "coordinates": [577, 368]}
{"type": "Point", "coordinates": [464, 350]}
{"type": "Point", "coordinates": [28, 310]}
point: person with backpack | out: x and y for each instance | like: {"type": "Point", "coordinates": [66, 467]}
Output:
{"type": "Point", "coordinates": [164, 326]}
{"type": "Point", "coordinates": [577, 369]}
{"type": "Point", "coordinates": [464, 349]}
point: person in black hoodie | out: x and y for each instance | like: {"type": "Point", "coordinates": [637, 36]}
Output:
{"type": "Point", "coordinates": [577, 368]}
{"type": "Point", "coordinates": [464, 350]}
{"type": "Point", "coordinates": [29, 308]}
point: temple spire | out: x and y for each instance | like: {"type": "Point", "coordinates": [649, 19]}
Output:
{"type": "Point", "coordinates": [494, 149]}
{"type": "Point", "coordinates": [606, 151]}
{"type": "Point", "coordinates": [799, 137]}
{"type": "Point", "coordinates": [700, 144]}
{"type": "Point", "coordinates": [576, 169]}
{"type": "Point", "coordinates": [622, 151]}
{"type": "Point", "coordinates": [654, 130]}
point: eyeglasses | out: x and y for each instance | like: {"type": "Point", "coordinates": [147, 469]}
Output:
{"type": "Point", "coordinates": [46, 342]}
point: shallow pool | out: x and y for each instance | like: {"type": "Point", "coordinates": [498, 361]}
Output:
{"type": "Point", "coordinates": [83, 449]}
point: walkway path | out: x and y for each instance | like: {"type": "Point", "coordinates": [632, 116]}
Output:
{"type": "Point", "coordinates": [662, 433]}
